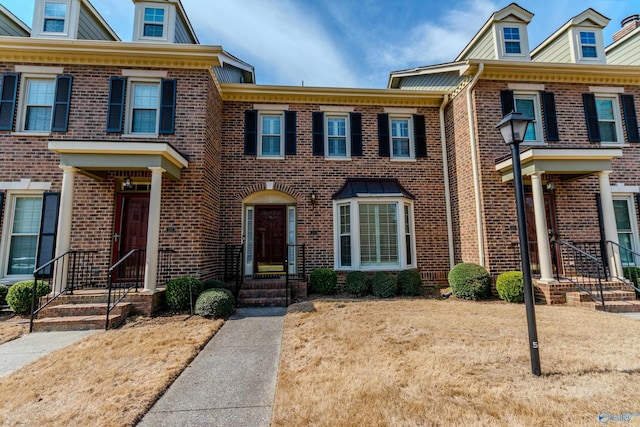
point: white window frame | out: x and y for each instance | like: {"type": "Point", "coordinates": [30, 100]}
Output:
{"type": "Point", "coordinates": [268, 113]}
{"type": "Point", "coordinates": [21, 122]}
{"type": "Point", "coordinates": [500, 42]}
{"type": "Point", "coordinates": [346, 117]}
{"type": "Point", "coordinates": [635, 236]}
{"type": "Point", "coordinates": [65, 20]}
{"type": "Point", "coordinates": [131, 82]}
{"type": "Point", "coordinates": [412, 144]}
{"type": "Point", "coordinates": [7, 230]}
{"type": "Point", "coordinates": [168, 31]}
{"type": "Point", "coordinates": [576, 45]}
{"type": "Point", "coordinates": [537, 123]}
{"type": "Point", "coordinates": [617, 116]}
{"type": "Point", "coordinates": [354, 213]}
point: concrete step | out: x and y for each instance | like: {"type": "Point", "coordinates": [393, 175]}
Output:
{"type": "Point", "coordinates": [76, 323]}
{"type": "Point", "coordinates": [83, 309]}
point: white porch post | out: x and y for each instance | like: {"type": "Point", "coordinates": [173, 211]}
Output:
{"type": "Point", "coordinates": [65, 216]}
{"type": "Point", "coordinates": [153, 230]}
{"type": "Point", "coordinates": [609, 220]}
{"type": "Point", "coordinates": [544, 249]}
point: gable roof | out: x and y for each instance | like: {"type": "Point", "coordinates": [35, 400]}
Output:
{"type": "Point", "coordinates": [11, 25]}
{"type": "Point", "coordinates": [624, 51]}
{"type": "Point", "coordinates": [99, 20]}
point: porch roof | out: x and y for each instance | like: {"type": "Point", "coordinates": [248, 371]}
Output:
{"type": "Point", "coordinates": [562, 161]}
{"type": "Point", "coordinates": [371, 187]}
{"type": "Point", "coordinates": [95, 158]}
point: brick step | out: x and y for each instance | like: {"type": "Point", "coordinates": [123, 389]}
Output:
{"type": "Point", "coordinates": [264, 284]}
{"type": "Point", "coordinates": [262, 293]}
{"type": "Point", "coordinates": [83, 309]}
{"type": "Point", "coordinates": [77, 299]}
{"type": "Point", "coordinates": [576, 298]}
{"type": "Point", "coordinates": [618, 306]}
{"type": "Point", "coordinates": [76, 323]}
{"type": "Point", "coordinates": [262, 302]}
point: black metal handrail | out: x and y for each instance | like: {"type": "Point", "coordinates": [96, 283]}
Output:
{"type": "Point", "coordinates": [234, 267]}
{"type": "Point", "coordinates": [585, 271]}
{"type": "Point", "coordinates": [66, 272]}
{"type": "Point", "coordinates": [630, 261]}
{"type": "Point", "coordinates": [129, 272]}
{"type": "Point", "coordinates": [295, 267]}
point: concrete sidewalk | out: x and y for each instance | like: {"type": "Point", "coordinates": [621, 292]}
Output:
{"type": "Point", "coordinates": [232, 381]}
{"type": "Point", "coordinates": [29, 347]}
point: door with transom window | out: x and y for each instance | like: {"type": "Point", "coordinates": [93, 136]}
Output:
{"type": "Point", "coordinates": [270, 248]}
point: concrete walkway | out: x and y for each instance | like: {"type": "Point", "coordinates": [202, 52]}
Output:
{"type": "Point", "coordinates": [29, 347]}
{"type": "Point", "coordinates": [232, 381]}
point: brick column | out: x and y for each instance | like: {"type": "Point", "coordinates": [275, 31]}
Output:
{"type": "Point", "coordinates": [153, 230]}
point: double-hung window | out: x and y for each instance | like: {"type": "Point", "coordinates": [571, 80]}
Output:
{"type": "Point", "coordinates": [374, 234]}
{"type": "Point", "coordinates": [153, 22]}
{"type": "Point", "coordinates": [606, 108]}
{"type": "Point", "coordinates": [401, 145]}
{"type": "Point", "coordinates": [38, 104]}
{"type": "Point", "coordinates": [529, 105]}
{"type": "Point", "coordinates": [336, 136]}
{"type": "Point", "coordinates": [271, 135]}
{"type": "Point", "coordinates": [626, 226]}
{"type": "Point", "coordinates": [23, 227]}
{"type": "Point", "coordinates": [588, 46]}
{"type": "Point", "coordinates": [55, 17]}
{"type": "Point", "coordinates": [512, 41]}
{"type": "Point", "coordinates": [144, 106]}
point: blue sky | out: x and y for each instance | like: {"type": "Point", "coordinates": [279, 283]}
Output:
{"type": "Point", "coordinates": [348, 43]}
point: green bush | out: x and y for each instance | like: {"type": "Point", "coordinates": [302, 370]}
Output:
{"type": "Point", "coordinates": [409, 283]}
{"type": "Point", "coordinates": [384, 285]}
{"type": "Point", "coordinates": [633, 274]}
{"type": "Point", "coordinates": [469, 281]}
{"type": "Point", "coordinates": [510, 286]}
{"type": "Point", "coordinates": [357, 283]}
{"type": "Point", "coordinates": [323, 281]}
{"type": "Point", "coordinates": [212, 284]}
{"type": "Point", "coordinates": [216, 302]}
{"type": "Point", "coordinates": [3, 295]}
{"type": "Point", "coordinates": [20, 295]}
{"type": "Point", "coordinates": [177, 294]}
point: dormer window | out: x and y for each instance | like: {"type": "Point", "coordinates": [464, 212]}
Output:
{"type": "Point", "coordinates": [588, 44]}
{"type": "Point", "coordinates": [512, 40]}
{"type": "Point", "coordinates": [154, 22]}
{"type": "Point", "coordinates": [55, 15]}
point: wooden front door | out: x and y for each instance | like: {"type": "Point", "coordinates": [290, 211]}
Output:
{"type": "Point", "coordinates": [270, 249]}
{"type": "Point", "coordinates": [552, 231]}
{"type": "Point", "coordinates": [132, 217]}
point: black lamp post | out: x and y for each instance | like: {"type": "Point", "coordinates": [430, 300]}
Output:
{"type": "Point", "coordinates": [513, 127]}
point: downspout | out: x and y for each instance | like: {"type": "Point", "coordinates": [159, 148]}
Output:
{"type": "Point", "coordinates": [475, 164]}
{"type": "Point", "coordinates": [447, 188]}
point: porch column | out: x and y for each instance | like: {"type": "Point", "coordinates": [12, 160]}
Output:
{"type": "Point", "coordinates": [153, 230]}
{"type": "Point", "coordinates": [609, 221]}
{"type": "Point", "coordinates": [544, 249]}
{"type": "Point", "coordinates": [65, 216]}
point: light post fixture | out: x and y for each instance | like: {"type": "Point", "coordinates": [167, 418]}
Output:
{"type": "Point", "coordinates": [513, 127]}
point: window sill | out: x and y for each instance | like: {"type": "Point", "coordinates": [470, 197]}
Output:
{"type": "Point", "coordinates": [270, 157]}
{"type": "Point", "coordinates": [29, 133]}
{"type": "Point", "coordinates": [401, 159]}
{"type": "Point", "coordinates": [535, 143]}
{"type": "Point", "coordinates": [140, 135]}
{"type": "Point", "coordinates": [614, 144]}
{"type": "Point", "coordinates": [338, 159]}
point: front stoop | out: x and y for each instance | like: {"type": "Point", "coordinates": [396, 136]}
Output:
{"type": "Point", "coordinates": [618, 297]}
{"type": "Point", "coordinates": [268, 292]}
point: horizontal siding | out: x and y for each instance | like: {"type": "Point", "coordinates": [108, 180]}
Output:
{"type": "Point", "coordinates": [484, 49]}
{"type": "Point", "coordinates": [182, 35]}
{"type": "Point", "coordinates": [437, 82]}
{"type": "Point", "coordinates": [90, 29]}
{"type": "Point", "coordinates": [9, 28]}
{"type": "Point", "coordinates": [228, 74]}
{"type": "Point", "coordinates": [626, 53]}
{"type": "Point", "coordinates": [559, 51]}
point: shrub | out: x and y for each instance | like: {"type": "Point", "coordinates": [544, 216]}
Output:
{"type": "Point", "coordinates": [212, 284]}
{"type": "Point", "coordinates": [469, 281]}
{"type": "Point", "coordinates": [3, 295]}
{"type": "Point", "coordinates": [324, 281]}
{"type": "Point", "coordinates": [216, 302]}
{"type": "Point", "coordinates": [177, 294]}
{"type": "Point", "coordinates": [20, 295]}
{"type": "Point", "coordinates": [357, 283]}
{"type": "Point", "coordinates": [510, 286]}
{"type": "Point", "coordinates": [409, 283]}
{"type": "Point", "coordinates": [633, 274]}
{"type": "Point", "coordinates": [384, 285]}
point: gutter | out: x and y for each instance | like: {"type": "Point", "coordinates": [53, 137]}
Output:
{"type": "Point", "coordinates": [447, 188]}
{"type": "Point", "coordinates": [475, 165]}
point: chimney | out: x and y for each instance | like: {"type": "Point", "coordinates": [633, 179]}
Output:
{"type": "Point", "coordinates": [629, 24]}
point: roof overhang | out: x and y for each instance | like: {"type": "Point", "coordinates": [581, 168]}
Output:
{"type": "Point", "coordinates": [95, 158]}
{"type": "Point", "coordinates": [396, 76]}
{"type": "Point", "coordinates": [17, 21]}
{"type": "Point", "coordinates": [334, 96]}
{"type": "Point", "coordinates": [371, 187]}
{"type": "Point", "coordinates": [561, 161]}
{"type": "Point", "coordinates": [92, 52]}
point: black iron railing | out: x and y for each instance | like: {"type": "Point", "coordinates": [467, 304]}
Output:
{"type": "Point", "coordinates": [584, 270]}
{"type": "Point", "coordinates": [295, 268]}
{"type": "Point", "coordinates": [630, 261]}
{"type": "Point", "coordinates": [234, 267]}
{"type": "Point", "coordinates": [71, 270]}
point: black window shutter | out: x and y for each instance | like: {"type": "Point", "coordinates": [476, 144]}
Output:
{"type": "Point", "coordinates": [115, 110]}
{"type": "Point", "coordinates": [167, 107]}
{"type": "Point", "coordinates": [507, 102]}
{"type": "Point", "coordinates": [550, 118]}
{"type": "Point", "coordinates": [355, 120]}
{"type": "Point", "coordinates": [60, 121]}
{"type": "Point", "coordinates": [48, 231]}
{"type": "Point", "coordinates": [630, 118]}
{"type": "Point", "coordinates": [591, 116]}
{"type": "Point", "coordinates": [8, 100]}
{"type": "Point", "coordinates": [384, 141]}
{"type": "Point", "coordinates": [251, 132]}
{"type": "Point", "coordinates": [420, 136]}
{"type": "Point", "coordinates": [317, 128]}
{"type": "Point", "coordinates": [290, 132]}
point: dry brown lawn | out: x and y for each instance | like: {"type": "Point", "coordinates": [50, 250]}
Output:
{"type": "Point", "coordinates": [12, 328]}
{"type": "Point", "coordinates": [453, 363]}
{"type": "Point", "coordinates": [110, 378]}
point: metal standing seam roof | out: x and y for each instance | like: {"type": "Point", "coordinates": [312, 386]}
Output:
{"type": "Point", "coordinates": [370, 187]}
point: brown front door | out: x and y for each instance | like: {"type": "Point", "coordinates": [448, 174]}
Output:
{"type": "Point", "coordinates": [552, 231]}
{"type": "Point", "coordinates": [270, 239]}
{"type": "Point", "coordinates": [132, 216]}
